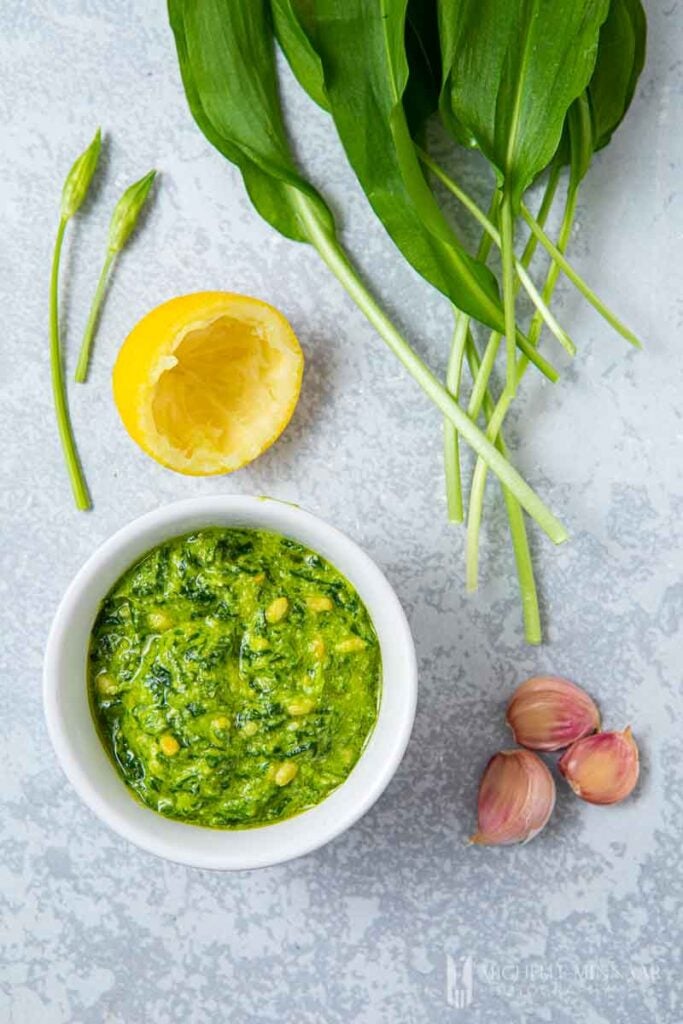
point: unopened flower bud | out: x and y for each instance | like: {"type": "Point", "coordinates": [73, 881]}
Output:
{"type": "Point", "coordinates": [127, 211]}
{"type": "Point", "coordinates": [79, 177]}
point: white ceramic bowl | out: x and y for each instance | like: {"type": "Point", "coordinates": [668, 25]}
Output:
{"type": "Point", "coordinates": [80, 750]}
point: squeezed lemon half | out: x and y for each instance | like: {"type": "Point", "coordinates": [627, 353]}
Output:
{"type": "Point", "coordinates": [206, 382]}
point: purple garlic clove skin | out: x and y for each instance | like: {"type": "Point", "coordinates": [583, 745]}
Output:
{"type": "Point", "coordinates": [516, 798]}
{"type": "Point", "coordinates": [602, 769]}
{"type": "Point", "coordinates": [549, 713]}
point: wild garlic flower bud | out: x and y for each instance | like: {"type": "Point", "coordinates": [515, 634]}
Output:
{"type": "Point", "coordinates": [127, 211]}
{"type": "Point", "coordinates": [79, 177]}
{"type": "Point", "coordinates": [516, 799]}
{"type": "Point", "coordinates": [549, 713]}
{"type": "Point", "coordinates": [602, 769]}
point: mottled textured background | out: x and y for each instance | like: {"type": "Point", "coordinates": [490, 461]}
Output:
{"type": "Point", "coordinates": [582, 925]}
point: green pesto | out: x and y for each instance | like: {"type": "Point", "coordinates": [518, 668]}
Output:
{"type": "Point", "coordinates": [216, 714]}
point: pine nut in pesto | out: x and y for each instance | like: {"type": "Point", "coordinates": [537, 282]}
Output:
{"type": "Point", "coordinates": [234, 678]}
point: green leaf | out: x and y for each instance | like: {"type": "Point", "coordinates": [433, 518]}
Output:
{"type": "Point", "coordinates": [581, 139]}
{"type": "Point", "coordinates": [417, 61]}
{"type": "Point", "coordinates": [226, 61]}
{"type": "Point", "coordinates": [225, 51]}
{"type": "Point", "coordinates": [512, 69]}
{"type": "Point", "coordinates": [293, 28]}
{"type": "Point", "coordinates": [300, 53]}
{"type": "Point", "coordinates": [362, 49]}
{"type": "Point", "coordinates": [621, 56]}
{"type": "Point", "coordinates": [421, 97]}
{"type": "Point", "coordinates": [597, 113]}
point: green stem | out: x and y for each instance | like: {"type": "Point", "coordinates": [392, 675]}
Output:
{"type": "Point", "coordinates": [539, 361]}
{"type": "Point", "coordinates": [476, 505]}
{"type": "Point", "coordinates": [78, 484]}
{"type": "Point", "coordinates": [525, 570]}
{"type": "Point", "coordinates": [507, 254]}
{"type": "Point", "coordinates": [454, 500]}
{"type": "Point", "coordinates": [500, 412]}
{"type": "Point", "coordinates": [558, 257]}
{"type": "Point", "coordinates": [520, 270]}
{"type": "Point", "coordinates": [547, 244]}
{"type": "Point", "coordinates": [543, 212]}
{"type": "Point", "coordinates": [451, 440]}
{"type": "Point", "coordinates": [526, 258]}
{"type": "Point", "coordinates": [481, 381]}
{"type": "Point", "coordinates": [337, 261]}
{"type": "Point", "coordinates": [520, 544]}
{"type": "Point", "coordinates": [554, 268]}
{"type": "Point", "coordinates": [86, 345]}
{"type": "Point", "coordinates": [520, 541]}
{"type": "Point", "coordinates": [545, 312]}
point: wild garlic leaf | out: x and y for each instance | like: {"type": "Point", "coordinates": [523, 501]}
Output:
{"type": "Point", "coordinates": [225, 50]}
{"type": "Point", "coordinates": [621, 56]}
{"type": "Point", "coordinates": [362, 49]}
{"type": "Point", "coordinates": [581, 138]}
{"type": "Point", "coordinates": [594, 117]}
{"type": "Point", "coordinates": [227, 65]}
{"type": "Point", "coordinates": [512, 69]}
{"type": "Point", "coordinates": [421, 97]}
{"type": "Point", "coordinates": [297, 48]}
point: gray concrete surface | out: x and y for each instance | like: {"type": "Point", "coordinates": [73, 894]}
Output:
{"type": "Point", "coordinates": [383, 925]}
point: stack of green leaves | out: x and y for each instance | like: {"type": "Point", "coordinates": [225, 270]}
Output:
{"type": "Point", "coordinates": [535, 85]}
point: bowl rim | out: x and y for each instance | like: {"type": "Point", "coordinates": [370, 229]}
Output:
{"type": "Point", "coordinates": [306, 831]}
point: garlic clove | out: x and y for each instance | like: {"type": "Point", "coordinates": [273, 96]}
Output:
{"type": "Point", "coordinates": [549, 713]}
{"type": "Point", "coordinates": [602, 769]}
{"type": "Point", "coordinates": [516, 798]}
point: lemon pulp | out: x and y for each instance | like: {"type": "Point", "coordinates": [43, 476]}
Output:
{"type": "Point", "coordinates": [208, 390]}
